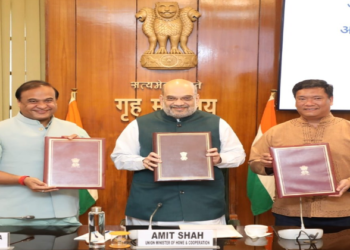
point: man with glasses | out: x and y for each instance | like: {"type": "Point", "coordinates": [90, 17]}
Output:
{"type": "Point", "coordinates": [200, 202]}
{"type": "Point", "coordinates": [22, 192]}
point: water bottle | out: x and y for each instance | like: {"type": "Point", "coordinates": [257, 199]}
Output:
{"type": "Point", "coordinates": [96, 228]}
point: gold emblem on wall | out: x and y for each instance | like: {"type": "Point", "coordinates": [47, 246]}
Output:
{"type": "Point", "coordinates": [167, 22]}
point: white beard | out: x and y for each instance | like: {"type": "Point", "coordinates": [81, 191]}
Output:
{"type": "Point", "coordinates": [188, 112]}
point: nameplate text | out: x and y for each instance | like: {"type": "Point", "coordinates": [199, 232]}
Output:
{"type": "Point", "coordinates": [175, 238]}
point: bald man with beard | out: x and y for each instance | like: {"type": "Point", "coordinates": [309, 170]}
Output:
{"type": "Point", "coordinates": [192, 202]}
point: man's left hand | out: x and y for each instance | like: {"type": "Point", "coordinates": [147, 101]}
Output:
{"type": "Point", "coordinates": [214, 154]}
{"type": "Point", "coordinates": [37, 185]}
{"type": "Point", "coordinates": [342, 187]}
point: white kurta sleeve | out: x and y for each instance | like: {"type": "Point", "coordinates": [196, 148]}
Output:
{"type": "Point", "coordinates": [126, 154]}
{"type": "Point", "coordinates": [231, 152]}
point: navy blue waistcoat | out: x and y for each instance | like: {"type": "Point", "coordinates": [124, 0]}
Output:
{"type": "Point", "coordinates": [188, 200]}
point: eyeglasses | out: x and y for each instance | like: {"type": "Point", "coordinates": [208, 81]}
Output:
{"type": "Point", "coordinates": [185, 98]}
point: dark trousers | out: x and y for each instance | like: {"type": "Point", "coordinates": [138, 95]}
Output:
{"type": "Point", "coordinates": [281, 220]}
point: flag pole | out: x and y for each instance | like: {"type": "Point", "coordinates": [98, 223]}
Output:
{"type": "Point", "coordinates": [73, 95]}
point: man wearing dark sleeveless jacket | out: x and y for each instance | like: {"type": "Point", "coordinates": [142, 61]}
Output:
{"type": "Point", "coordinates": [194, 202]}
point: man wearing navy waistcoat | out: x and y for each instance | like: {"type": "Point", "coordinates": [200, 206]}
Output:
{"type": "Point", "coordinates": [193, 202]}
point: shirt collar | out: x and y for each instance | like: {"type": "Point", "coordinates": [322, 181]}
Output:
{"type": "Point", "coordinates": [170, 118]}
{"type": "Point", "coordinates": [327, 119]}
{"type": "Point", "coordinates": [24, 119]}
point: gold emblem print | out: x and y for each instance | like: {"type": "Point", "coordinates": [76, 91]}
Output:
{"type": "Point", "coordinates": [75, 163]}
{"type": "Point", "coordinates": [304, 170]}
{"type": "Point", "coordinates": [183, 156]}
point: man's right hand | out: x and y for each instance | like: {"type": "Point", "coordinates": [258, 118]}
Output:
{"type": "Point", "coordinates": [37, 185]}
{"type": "Point", "coordinates": [151, 161]}
{"type": "Point", "coordinates": [266, 160]}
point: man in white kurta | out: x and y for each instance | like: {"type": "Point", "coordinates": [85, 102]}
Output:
{"type": "Point", "coordinates": [22, 191]}
{"type": "Point", "coordinates": [183, 202]}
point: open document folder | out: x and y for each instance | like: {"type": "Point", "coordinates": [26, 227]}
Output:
{"type": "Point", "coordinates": [220, 231]}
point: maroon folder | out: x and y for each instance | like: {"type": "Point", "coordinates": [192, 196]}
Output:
{"type": "Point", "coordinates": [303, 170]}
{"type": "Point", "coordinates": [77, 163]}
{"type": "Point", "coordinates": [183, 156]}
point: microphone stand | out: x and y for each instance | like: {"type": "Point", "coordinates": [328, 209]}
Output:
{"type": "Point", "coordinates": [295, 234]}
{"type": "Point", "coordinates": [151, 218]}
{"type": "Point", "coordinates": [134, 234]}
{"type": "Point", "coordinates": [301, 213]}
{"type": "Point", "coordinates": [29, 238]}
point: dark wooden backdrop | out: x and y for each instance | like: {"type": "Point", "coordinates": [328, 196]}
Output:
{"type": "Point", "coordinates": [96, 45]}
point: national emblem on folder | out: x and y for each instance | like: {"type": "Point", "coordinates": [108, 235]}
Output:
{"type": "Point", "coordinates": [183, 156]}
{"type": "Point", "coordinates": [77, 163]}
{"type": "Point", "coordinates": [303, 170]}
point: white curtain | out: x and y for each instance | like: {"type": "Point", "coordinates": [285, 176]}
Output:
{"type": "Point", "coordinates": [22, 48]}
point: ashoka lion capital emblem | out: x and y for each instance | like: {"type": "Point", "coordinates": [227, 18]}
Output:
{"type": "Point", "coordinates": [304, 170]}
{"type": "Point", "coordinates": [75, 163]}
{"type": "Point", "coordinates": [167, 22]}
{"type": "Point", "coordinates": [183, 156]}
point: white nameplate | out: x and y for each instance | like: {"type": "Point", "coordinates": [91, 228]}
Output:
{"type": "Point", "coordinates": [4, 240]}
{"type": "Point", "coordinates": [175, 238]}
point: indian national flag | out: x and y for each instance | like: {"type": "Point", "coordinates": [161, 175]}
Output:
{"type": "Point", "coordinates": [261, 189]}
{"type": "Point", "coordinates": [87, 197]}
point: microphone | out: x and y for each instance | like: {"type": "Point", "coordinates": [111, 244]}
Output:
{"type": "Point", "coordinates": [134, 234]}
{"type": "Point", "coordinates": [27, 217]}
{"type": "Point", "coordinates": [151, 218]}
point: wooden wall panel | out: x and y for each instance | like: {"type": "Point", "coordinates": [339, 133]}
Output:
{"type": "Point", "coordinates": [60, 50]}
{"type": "Point", "coordinates": [105, 67]}
{"type": "Point", "coordinates": [227, 53]}
{"type": "Point", "coordinates": [269, 42]}
{"type": "Point", "coordinates": [268, 71]}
